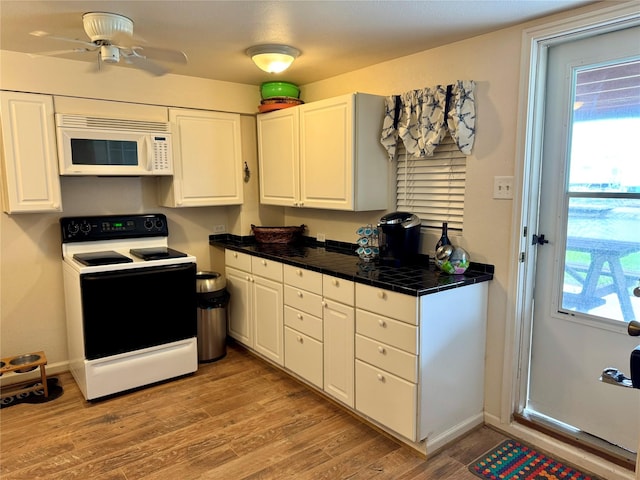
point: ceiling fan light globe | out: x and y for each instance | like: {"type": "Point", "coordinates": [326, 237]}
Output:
{"type": "Point", "coordinates": [273, 58]}
{"type": "Point", "coordinates": [104, 26]}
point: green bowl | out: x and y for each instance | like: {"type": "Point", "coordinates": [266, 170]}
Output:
{"type": "Point", "coordinates": [279, 89]}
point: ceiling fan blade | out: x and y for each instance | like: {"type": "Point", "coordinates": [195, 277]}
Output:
{"type": "Point", "coordinates": [59, 52]}
{"type": "Point", "coordinates": [161, 54]}
{"type": "Point", "coordinates": [147, 65]}
{"type": "Point", "coordinates": [40, 33]}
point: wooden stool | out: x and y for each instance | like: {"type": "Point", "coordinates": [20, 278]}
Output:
{"type": "Point", "coordinates": [23, 364]}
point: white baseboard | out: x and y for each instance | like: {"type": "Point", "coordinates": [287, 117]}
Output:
{"type": "Point", "coordinates": [561, 450]}
{"type": "Point", "coordinates": [437, 442]}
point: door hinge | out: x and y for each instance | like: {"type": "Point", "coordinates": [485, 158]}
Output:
{"type": "Point", "coordinates": [522, 257]}
{"type": "Point", "coordinates": [524, 232]}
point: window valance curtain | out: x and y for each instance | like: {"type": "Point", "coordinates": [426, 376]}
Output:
{"type": "Point", "coordinates": [422, 118]}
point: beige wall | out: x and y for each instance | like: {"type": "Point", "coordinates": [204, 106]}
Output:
{"type": "Point", "coordinates": [32, 310]}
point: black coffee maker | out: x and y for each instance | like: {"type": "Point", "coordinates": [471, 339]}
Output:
{"type": "Point", "coordinates": [399, 238]}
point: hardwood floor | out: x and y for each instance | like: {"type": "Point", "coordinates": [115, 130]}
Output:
{"type": "Point", "coordinates": [238, 418]}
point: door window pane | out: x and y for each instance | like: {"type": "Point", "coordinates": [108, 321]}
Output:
{"type": "Point", "coordinates": [602, 258]}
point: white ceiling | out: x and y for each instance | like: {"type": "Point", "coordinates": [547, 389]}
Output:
{"type": "Point", "coordinates": [333, 36]}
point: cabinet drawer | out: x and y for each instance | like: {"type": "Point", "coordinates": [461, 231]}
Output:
{"type": "Point", "coordinates": [337, 289]}
{"type": "Point", "coordinates": [384, 329]}
{"type": "Point", "coordinates": [388, 358]}
{"type": "Point", "coordinates": [238, 260]}
{"type": "Point", "coordinates": [266, 268]}
{"type": "Point", "coordinates": [303, 356]}
{"type": "Point", "coordinates": [303, 322]}
{"type": "Point", "coordinates": [387, 399]}
{"type": "Point", "coordinates": [302, 278]}
{"type": "Point", "coordinates": [385, 302]}
{"type": "Point", "coordinates": [303, 300]}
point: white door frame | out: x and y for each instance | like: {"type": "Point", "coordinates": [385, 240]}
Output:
{"type": "Point", "coordinates": [535, 43]}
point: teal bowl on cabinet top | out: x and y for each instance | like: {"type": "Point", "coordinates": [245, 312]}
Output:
{"type": "Point", "coordinates": [279, 89]}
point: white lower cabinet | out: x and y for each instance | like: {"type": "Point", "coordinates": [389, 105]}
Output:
{"type": "Point", "coordinates": [268, 319]}
{"type": "Point", "coordinates": [255, 312]}
{"type": "Point", "coordinates": [303, 319]}
{"type": "Point", "coordinates": [303, 356]}
{"type": "Point", "coordinates": [386, 398]}
{"type": "Point", "coordinates": [413, 365]}
{"type": "Point", "coordinates": [339, 326]}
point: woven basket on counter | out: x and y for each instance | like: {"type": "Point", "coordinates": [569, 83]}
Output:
{"type": "Point", "coordinates": [277, 234]}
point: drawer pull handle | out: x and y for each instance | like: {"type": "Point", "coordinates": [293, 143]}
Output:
{"type": "Point", "coordinates": [299, 272]}
{"type": "Point", "coordinates": [264, 262]}
{"type": "Point", "coordinates": [382, 323]}
{"type": "Point", "coordinates": [381, 350]}
{"type": "Point", "coordinates": [300, 339]}
{"type": "Point", "coordinates": [235, 255]}
{"type": "Point", "coordinates": [323, 303]}
{"type": "Point", "coordinates": [334, 282]}
{"type": "Point", "coordinates": [382, 295]}
{"type": "Point", "coordinates": [299, 316]}
{"type": "Point", "coordinates": [299, 293]}
{"type": "Point", "coordinates": [247, 278]}
{"type": "Point", "coordinates": [380, 377]}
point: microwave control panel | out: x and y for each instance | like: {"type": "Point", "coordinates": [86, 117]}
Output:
{"type": "Point", "coordinates": [161, 151]}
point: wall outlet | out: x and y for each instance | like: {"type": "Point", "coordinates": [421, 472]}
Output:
{"type": "Point", "coordinates": [219, 228]}
{"type": "Point", "coordinates": [503, 187]}
{"type": "Point", "coordinates": [320, 237]}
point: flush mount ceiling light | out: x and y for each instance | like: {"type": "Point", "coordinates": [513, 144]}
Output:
{"type": "Point", "coordinates": [273, 58]}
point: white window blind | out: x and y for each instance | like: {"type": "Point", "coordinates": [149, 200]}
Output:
{"type": "Point", "coordinates": [433, 187]}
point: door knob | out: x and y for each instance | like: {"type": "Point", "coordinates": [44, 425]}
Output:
{"type": "Point", "coordinates": [633, 328]}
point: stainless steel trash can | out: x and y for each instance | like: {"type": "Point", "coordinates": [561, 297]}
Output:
{"type": "Point", "coordinates": [213, 299]}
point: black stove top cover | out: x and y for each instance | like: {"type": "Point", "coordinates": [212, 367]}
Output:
{"type": "Point", "coordinates": [101, 258]}
{"type": "Point", "coordinates": [156, 253]}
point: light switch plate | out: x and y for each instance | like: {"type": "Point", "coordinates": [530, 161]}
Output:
{"type": "Point", "coordinates": [503, 188]}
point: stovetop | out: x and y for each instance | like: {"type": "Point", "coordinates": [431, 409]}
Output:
{"type": "Point", "coordinates": [114, 242]}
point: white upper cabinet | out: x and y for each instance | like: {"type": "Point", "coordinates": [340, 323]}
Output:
{"type": "Point", "coordinates": [207, 155]}
{"type": "Point", "coordinates": [324, 154]}
{"type": "Point", "coordinates": [29, 161]}
{"type": "Point", "coordinates": [278, 157]}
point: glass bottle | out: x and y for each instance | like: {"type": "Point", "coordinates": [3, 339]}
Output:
{"type": "Point", "coordinates": [444, 239]}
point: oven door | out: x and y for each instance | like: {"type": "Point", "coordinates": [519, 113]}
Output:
{"type": "Point", "coordinates": [127, 310]}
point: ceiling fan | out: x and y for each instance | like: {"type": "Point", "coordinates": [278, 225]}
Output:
{"type": "Point", "coordinates": [111, 36]}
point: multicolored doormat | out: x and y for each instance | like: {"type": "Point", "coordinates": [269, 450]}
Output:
{"type": "Point", "coordinates": [515, 461]}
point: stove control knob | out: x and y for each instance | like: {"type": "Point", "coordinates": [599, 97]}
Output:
{"type": "Point", "coordinates": [148, 224]}
{"type": "Point", "coordinates": [159, 223]}
{"type": "Point", "coordinates": [85, 227]}
{"type": "Point", "coordinates": [73, 228]}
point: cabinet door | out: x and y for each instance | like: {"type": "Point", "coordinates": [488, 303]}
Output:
{"type": "Point", "coordinates": [303, 356]}
{"type": "Point", "coordinates": [207, 155]}
{"type": "Point", "coordinates": [326, 153]}
{"type": "Point", "coordinates": [240, 307]}
{"type": "Point", "coordinates": [30, 165]}
{"type": "Point", "coordinates": [387, 399]}
{"type": "Point", "coordinates": [268, 318]}
{"type": "Point", "coordinates": [278, 157]}
{"type": "Point", "coordinates": [339, 326]}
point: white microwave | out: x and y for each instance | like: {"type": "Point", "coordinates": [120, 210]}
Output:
{"type": "Point", "coordinates": [113, 147]}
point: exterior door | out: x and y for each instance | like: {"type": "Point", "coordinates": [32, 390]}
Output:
{"type": "Point", "coordinates": [588, 261]}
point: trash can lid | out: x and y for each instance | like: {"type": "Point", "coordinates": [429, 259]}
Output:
{"type": "Point", "coordinates": [210, 282]}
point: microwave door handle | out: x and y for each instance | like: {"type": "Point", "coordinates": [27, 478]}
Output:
{"type": "Point", "coordinates": [149, 153]}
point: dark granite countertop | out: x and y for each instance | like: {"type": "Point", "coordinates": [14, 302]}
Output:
{"type": "Point", "coordinates": [339, 259]}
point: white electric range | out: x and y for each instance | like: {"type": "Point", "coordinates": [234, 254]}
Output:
{"type": "Point", "coordinates": [130, 303]}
